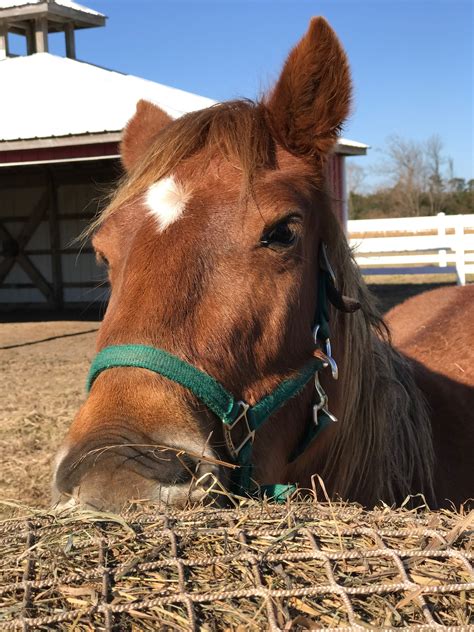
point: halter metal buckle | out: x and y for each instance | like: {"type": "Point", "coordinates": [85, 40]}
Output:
{"type": "Point", "coordinates": [249, 435]}
{"type": "Point", "coordinates": [322, 404]}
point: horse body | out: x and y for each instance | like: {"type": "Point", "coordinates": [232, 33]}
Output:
{"type": "Point", "coordinates": [213, 244]}
{"type": "Point", "coordinates": [435, 330]}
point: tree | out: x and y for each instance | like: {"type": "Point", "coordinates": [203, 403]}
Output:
{"type": "Point", "coordinates": [434, 161]}
{"type": "Point", "coordinates": [421, 181]}
{"type": "Point", "coordinates": [407, 169]}
{"type": "Point", "coordinates": [355, 177]}
{"type": "Point", "coordinates": [457, 185]}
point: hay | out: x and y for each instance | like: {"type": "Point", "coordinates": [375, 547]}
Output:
{"type": "Point", "coordinates": [303, 565]}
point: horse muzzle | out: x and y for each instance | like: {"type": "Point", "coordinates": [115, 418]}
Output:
{"type": "Point", "coordinates": [109, 471]}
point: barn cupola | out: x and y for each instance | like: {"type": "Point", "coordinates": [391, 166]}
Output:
{"type": "Point", "coordinates": [36, 19]}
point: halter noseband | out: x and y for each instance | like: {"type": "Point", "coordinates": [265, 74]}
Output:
{"type": "Point", "coordinates": [233, 413]}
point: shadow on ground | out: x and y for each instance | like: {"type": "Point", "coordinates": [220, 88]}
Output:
{"type": "Point", "coordinates": [93, 313]}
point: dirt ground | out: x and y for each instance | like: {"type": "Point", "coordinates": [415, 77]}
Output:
{"type": "Point", "coordinates": [43, 369]}
{"type": "Point", "coordinates": [42, 376]}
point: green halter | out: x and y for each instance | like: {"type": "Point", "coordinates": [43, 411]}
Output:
{"type": "Point", "coordinates": [236, 415]}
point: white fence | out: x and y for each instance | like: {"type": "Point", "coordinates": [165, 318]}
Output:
{"type": "Point", "coordinates": [395, 245]}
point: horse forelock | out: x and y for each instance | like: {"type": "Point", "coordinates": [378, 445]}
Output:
{"type": "Point", "coordinates": [237, 130]}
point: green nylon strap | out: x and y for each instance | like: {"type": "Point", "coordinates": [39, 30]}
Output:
{"type": "Point", "coordinates": [278, 492]}
{"type": "Point", "coordinates": [206, 388]}
{"type": "Point", "coordinates": [283, 392]}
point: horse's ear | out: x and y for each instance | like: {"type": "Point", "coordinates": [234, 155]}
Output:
{"type": "Point", "coordinates": [141, 131]}
{"type": "Point", "coordinates": [312, 97]}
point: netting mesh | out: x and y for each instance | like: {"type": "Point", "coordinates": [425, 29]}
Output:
{"type": "Point", "coordinates": [261, 566]}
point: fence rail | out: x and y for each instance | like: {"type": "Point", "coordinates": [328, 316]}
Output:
{"type": "Point", "coordinates": [395, 245]}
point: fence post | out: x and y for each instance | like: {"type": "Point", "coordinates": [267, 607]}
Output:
{"type": "Point", "coordinates": [459, 246]}
{"type": "Point", "coordinates": [442, 234]}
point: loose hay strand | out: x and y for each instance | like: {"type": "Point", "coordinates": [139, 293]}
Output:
{"type": "Point", "coordinates": [303, 565]}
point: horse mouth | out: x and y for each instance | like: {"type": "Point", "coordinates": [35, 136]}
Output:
{"type": "Point", "coordinates": [111, 475]}
{"type": "Point", "coordinates": [198, 492]}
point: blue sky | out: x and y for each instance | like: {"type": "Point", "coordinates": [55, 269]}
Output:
{"type": "Point", "coordinates": [412, 60]}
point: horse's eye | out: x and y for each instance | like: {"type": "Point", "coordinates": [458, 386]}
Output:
{"type": "Point", "coordinates": [282, 235]}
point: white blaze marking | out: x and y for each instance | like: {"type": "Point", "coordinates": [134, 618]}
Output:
{"type": "Point", "coordinates": [166, 200]}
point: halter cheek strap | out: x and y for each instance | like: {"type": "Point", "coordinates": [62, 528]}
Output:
{"type": "Point", "coordinates": [240, 420]}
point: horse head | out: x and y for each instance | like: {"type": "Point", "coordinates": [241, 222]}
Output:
{"type": "Point", "coordinates": [213, 244]}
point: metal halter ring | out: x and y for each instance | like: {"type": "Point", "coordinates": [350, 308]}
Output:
{"type": "Point", "coordinates": [249, 436]}
{"type": "Point", "coordinates": [332, 362]}
{"type": "Point", "coordinates": [327, 352]}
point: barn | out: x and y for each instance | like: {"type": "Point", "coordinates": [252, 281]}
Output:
{"type": "Point", "coordinates": [60, 126]}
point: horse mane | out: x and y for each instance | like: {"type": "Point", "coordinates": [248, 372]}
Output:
{"type": "Point", "coordinates": [383, 449]}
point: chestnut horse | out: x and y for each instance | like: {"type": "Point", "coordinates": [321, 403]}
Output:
{"type": "Point", "coordinates": [229, 273]}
